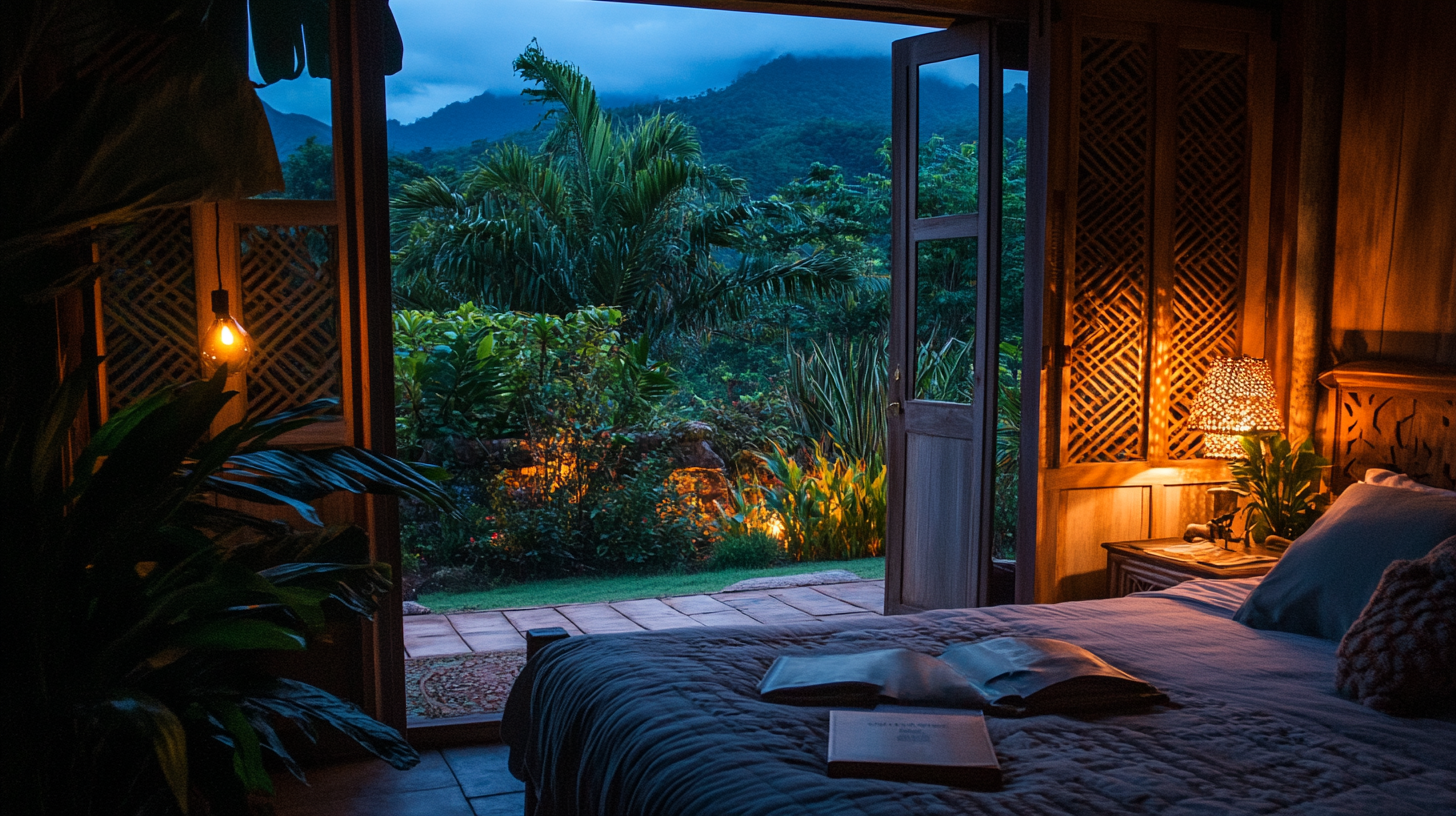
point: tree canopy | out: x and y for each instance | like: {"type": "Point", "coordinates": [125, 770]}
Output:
{"type": "Point", "coordinates": [604, 213]}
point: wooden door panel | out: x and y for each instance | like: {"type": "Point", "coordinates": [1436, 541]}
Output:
{"type": "Point", "coordinates": [939, 534]}
{"type": "Point", "coordinates": [940, 454]}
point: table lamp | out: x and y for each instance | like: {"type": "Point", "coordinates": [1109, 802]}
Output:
{"type": "Point", "coordinates": [1237, 398]}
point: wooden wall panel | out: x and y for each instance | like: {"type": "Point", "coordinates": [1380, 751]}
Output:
{"type": "Point", "coordinates": [1109, 301]}
{"type": "Point", "coordinates": [1394, 282]}
{"type": "Point", "coordinates": [148, 307]}
{"type": "Point", "coordinates": [1159, 187]}
{"type": "Point", "coordinates": [1180, 506]}
{"type": "Point", "coordinates": [1090, 517]}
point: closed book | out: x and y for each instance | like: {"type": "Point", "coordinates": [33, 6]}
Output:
{"type": "Point", "coordinates": [904, 744]}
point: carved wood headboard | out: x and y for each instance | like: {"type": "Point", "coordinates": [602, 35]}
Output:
{"type": "Point", "coordinates": [1393, 415]}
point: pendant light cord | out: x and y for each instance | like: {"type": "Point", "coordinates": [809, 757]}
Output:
{"type": "Point", "coordinates": [217, 240]}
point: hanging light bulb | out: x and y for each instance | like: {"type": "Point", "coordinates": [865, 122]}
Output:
{"type": "Point", "coordinates": [225, 342]}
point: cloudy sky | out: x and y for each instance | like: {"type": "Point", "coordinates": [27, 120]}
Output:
{"type": "Point", "coordinates": [456, 49]}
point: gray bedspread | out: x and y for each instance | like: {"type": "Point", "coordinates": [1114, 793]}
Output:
{"type": "Point", "coordinates": [670, 723]}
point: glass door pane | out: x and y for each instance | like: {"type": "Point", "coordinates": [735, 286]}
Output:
{"type": "Point", "coordinates": [949, 127]}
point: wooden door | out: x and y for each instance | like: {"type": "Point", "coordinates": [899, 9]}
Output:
{"type": "Point", "coordinates": [944, 262]}
{"type": "Point", "coordinates": [1156, 261]}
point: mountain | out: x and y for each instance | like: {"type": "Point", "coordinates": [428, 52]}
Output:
{"type": "Point", "coordinates": [292, 129]}
{"type": "Point", "coordinates": [485, 117]}
{"type": "Point", "coordinates": [772, 122]}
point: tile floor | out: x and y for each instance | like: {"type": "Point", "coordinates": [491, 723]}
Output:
{"type": "Point", "coordinates": [464, 781]}
{"type": "Point", "coordinates": [504, 630]}
{"type": "Point", "coordinates": [474, 780]}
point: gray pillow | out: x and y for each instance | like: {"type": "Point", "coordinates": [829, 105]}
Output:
{"type": "Point", "coordinates": [1327, 576]}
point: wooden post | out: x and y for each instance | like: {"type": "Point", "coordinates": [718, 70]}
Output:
{"type": "Point", "coordinates": [360, 161]}
{"type": "Point", "coordinates": [1322, 90]}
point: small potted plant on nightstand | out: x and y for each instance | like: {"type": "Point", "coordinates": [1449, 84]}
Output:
{"type": "Point", "coordinates": [1282, 484]}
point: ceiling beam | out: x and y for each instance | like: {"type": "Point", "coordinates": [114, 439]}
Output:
{"type": "Point", "coordinates": [930, 13]}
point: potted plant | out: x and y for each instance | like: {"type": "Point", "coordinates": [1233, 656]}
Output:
{"type": "Point", "coordinates": [1282, 485]}
{"type": "Point", "coordinates": [140, 607]}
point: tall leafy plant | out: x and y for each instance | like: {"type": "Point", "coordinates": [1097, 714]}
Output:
{"type": "Point", "coordinates": [1282, 483]}
{"type": "Point", "coordinates": [832, 509]}
{"type": "Point", "coordinates": [606, 214]}
{"type": "Point", "coordinates": [139, 606]}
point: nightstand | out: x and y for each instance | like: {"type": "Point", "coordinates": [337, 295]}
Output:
{"type": "Point", "coordinates": [1131, 569]}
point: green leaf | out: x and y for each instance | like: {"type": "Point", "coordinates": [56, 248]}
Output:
{"type": "Point", "coordinates": [58, 415]}
{"type": "Point", "coordinates": [247, 755]}
{"type": "Point", "coordinates": [150, 719]}
{"type": "Point", "coordinates": [88, 153]}
{"type": "Point", "coordinates": [303, 703]}
{"type": "Point", "coordinates": [240, 635]}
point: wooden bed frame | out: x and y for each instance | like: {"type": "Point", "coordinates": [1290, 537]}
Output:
{"type": "Point", "coordinates": [1392, 415]}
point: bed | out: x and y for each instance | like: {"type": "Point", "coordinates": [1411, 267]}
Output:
{"type": "Point", "coordinates": [672, 723]}
{"type": "Point", "coordinates": [646, 723]}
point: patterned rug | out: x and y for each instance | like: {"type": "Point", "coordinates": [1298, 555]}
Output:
{"type": "Point", "coordinates": [458, 685]}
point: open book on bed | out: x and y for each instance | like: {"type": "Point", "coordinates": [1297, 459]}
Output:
{"type": "Point", "coordinates": [1007, 676]}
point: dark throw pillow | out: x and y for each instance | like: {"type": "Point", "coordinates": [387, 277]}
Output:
{"type": "Point", "coordinates": [1400, 656]}
{"type": "Point", "coordinates": [1327, 576]}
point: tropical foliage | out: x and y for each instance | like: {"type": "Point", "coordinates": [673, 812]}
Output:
{"type": "Point", "coordinates": [772, 312]}
{"type": "Point", "coordinates": [833, 508]}
{"type": "Point", "coordinates": [145, 605]}
{"type": "Point", "coordinates": [603, 214]}
{"type": "Point", "coordinates": [1282, 484]}
{"type": "Point", "coordinates": [472, 374]}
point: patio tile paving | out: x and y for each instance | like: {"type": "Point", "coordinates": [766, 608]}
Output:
{"type": "Point", "coordinates": [435, 645]}
{"type": "Point", "coordinates": [598, 619]}
{"type": "Point", "coordinates": [468, 622]}
{"type": "Point", "coordinates": [428, 625]}
{"type": "Point", "coordinates": [728, 617]}
{"type": "Point", "coordinates": [805, 599]}
{"type": "Point", "coordinates": [652, 613]}
{"type": "Point", "coordinates": [541, 617]}
{"type": "Point", "coordinates": [696, 604]}
{"type": "Point", "coordinates": [494, 641]}
{"type": "Point", "coordinates": [865, 594]}
{"type": "Point", "coordinates": [768, 609]}
{"type": "Point", "coordinates": [504, 630]}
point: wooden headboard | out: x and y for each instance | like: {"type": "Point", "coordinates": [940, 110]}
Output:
{"type": "Point", "coordinates": [1393, 415]}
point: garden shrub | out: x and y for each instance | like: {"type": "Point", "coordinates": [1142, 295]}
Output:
{"type": "Point", "coordinates": [748, 549]}
{"type": "Point", "coordinates": [560, 521]}
{"type": "Point", "coordinates": [833, 509]}
{"type": "Point", "coordinates": [749, 424]}
{"type": "Point", "coordinates": [574, 391]}
{"type": "Point", "coordinates": [477, 374]}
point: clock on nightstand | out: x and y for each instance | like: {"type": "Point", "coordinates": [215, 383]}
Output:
{"type": "Point", "coordinates": [1131, 568]}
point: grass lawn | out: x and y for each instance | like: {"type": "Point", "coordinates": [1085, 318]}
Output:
{"type": "Point", "coordinates": [627, 587]}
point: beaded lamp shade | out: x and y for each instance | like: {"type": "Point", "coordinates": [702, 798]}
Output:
{"type": "Point", "coordinates": [1238, 397]}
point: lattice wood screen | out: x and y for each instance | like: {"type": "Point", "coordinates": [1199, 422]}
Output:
{"type": "Point", "coordinates": [1110, 295]}
{"type": "Point", "coordinates": [291, 306]}
{"type": "Point", "coordinates": [1208, 231]}
{"type": "Point", "coordinates": [149, 306]}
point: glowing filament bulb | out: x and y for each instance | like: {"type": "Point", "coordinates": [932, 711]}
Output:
{"type": "Point", "coordinates": [226, 343]}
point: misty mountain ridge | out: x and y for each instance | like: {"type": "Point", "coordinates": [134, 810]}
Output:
{"type": "Point", "coordinates": [769, 125]}
{"type": "Point", "coordinates": [292, 129]}
{"type": "Point", "coordinates": [486, 117]}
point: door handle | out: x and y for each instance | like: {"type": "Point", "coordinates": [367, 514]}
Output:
{"type": "Point", "coordinates": [893, 408]}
